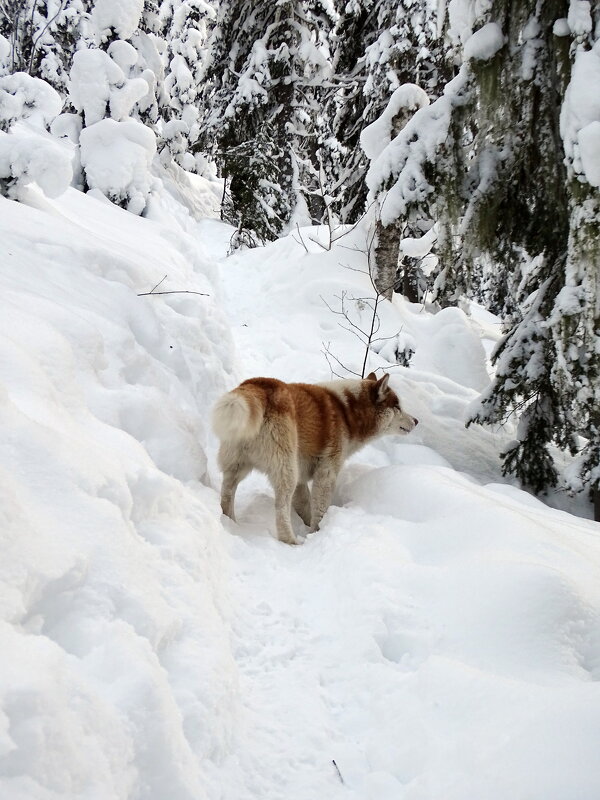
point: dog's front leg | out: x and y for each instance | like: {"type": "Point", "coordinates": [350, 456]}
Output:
{"type": "Point", "coordinates": [322, 490]}
{"type": "Point", "coordinates": [301, 503]}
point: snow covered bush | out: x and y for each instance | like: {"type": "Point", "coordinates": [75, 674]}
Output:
{"type": "Point", "coordinates": [30, 99]}
{"type": "Point", "coordinates": [116, 157]}
{"type": "Point", "coordinates": [116, 151]}
{"type": "Point", "coordinates": [27, 157]}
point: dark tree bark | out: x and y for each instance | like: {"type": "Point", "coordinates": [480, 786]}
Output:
{"type": "Point", "coordinates": [387, 251]}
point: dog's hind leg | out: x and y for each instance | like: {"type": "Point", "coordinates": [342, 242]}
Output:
{"type": "Point", "coordinates": [284, 483]}
{"type": "Point", "coordinates": [283, 474]}
{"type": "Point", "coordinates": [301, 502]}
{"type": "Point", "coordinates": [232, 475]}
{"type": "Point", "coordinates": [322, 490]}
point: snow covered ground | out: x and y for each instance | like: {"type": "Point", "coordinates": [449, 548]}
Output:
{"type": "Point", "coordinates": [438, 638]}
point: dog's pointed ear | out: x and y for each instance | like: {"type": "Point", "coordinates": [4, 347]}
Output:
{"type": "Point", "coordinates": [381, 388]}
{"type": "Point", "coordinates": [371, 377]}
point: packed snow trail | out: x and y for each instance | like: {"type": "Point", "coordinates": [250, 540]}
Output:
{"type": "Point", "coordinates": [438, 636]}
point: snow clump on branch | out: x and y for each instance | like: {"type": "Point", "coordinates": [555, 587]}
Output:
{"type": "Point", "coordinates": [376, 137]}
{"type": "Point", "coordinates": [30, 99]}
{"type": "Point", "coordinates": [401, 166]}
{"type": "Point", "coordinates": [484, 43]}
{"type": "Point", "coordinates": [121, 16]}
{"type": "Point", "coordinates": [580, 115]}
{"type": "Point", "coordinates": [97, 81]}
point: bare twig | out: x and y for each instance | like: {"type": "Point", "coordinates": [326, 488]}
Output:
{"type": "Point", "coordinates": [366, 337]}
{"type": "Point", "coordinates": [158, 284]}
{"type": "Point", "coordinates": [223, 197]}
{"type": "Point", "coordinates": [331, 369]}
{"type": "Point", "coordinates": [302, 242]}
{"type": "Point", "coordinates": [337, 769]}
{"type": "Point", "coordinates": [360, 336]}
{"type": "Point", "coordinates": [179, 291]}
{"type": "Point", "coordinates": [324, 246]}
{"type": "Point", "coordinates": [327, 353]}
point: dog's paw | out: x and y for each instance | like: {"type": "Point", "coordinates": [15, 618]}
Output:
{"type": "Point", "coordinates": [289, 540]}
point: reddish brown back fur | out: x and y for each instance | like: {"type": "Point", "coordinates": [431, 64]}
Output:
{"type": "Point", "coordinates": [321, 417]}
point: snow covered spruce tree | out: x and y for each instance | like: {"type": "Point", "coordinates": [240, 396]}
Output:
{"type": "Point", "coordinates": [184, 25]}
{"type": "Point", "coordinates": [575, 318]}
{"type": "Point", "coordinates": [380, 44]}
{"type": "Point", "coordinates": [268, 60]}
{"type": "Point", "coordinates": [515, 227]}
{"type": "Point", "coordinates": [518, 215]}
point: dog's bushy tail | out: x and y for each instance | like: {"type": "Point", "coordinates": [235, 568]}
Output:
{"type": "Point", "coordinates": [237, 416]}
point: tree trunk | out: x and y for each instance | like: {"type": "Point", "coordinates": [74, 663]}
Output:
{"type": "Point", "coordinates": [410, 279]}
{"type": "Point", "coordinates": [386, 258]}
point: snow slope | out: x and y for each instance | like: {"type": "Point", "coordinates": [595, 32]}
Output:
{"type": "Point", "coordinates": [116, 677]}
{"type": "Point", "coordinates": [439, 637]}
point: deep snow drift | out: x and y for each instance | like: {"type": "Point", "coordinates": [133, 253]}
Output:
{"type": "Point", "coordinates": [439, 637]}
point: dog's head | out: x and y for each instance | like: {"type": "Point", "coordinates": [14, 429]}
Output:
{"type": "Point", "coordinates": [392, 418]}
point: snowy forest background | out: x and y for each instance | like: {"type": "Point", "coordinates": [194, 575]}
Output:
{"type": "Point", "coordinates": [466, 133]}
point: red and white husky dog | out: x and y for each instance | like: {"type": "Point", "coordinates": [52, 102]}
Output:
{"type": "Point", "coordinates": [297, 432]}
